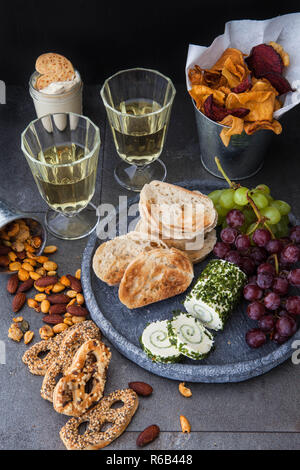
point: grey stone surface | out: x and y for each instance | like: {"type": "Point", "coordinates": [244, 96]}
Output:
{"type": "Point", "coordinates": [262, 413]}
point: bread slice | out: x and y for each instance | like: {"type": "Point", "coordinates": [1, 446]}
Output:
{"type": "Point", "coordinates": [178, 208]}
{"type": "Point", "coordinates": [196, 256]}
{"type": "Point", "coordinates": [112, 257]}
{"type": "Point", "coordinates": [154, 276]}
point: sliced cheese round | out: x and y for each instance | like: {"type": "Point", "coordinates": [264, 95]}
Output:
{"type": "Point", "coordinates": [156, 343]}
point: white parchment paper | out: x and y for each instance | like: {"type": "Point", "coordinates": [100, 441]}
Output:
{"type": "Point", "coordinates": [245, 34]}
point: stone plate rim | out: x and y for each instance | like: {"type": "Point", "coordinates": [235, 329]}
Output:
{"type": "Point", "coordinates": [198, 373]}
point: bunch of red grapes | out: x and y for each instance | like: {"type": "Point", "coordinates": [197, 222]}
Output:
{"type": "Point", "coordinates": [267, 290]}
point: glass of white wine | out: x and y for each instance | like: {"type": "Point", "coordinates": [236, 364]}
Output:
{"type": "Point", "coordinates": [138, 103]}
{"type": "Point", "coordinates": [62, 152]}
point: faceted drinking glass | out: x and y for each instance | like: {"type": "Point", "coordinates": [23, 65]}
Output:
{"type": "Point", "coordinates": [138, 103]}
{"type": "Point", "coordinates": [62, 152]}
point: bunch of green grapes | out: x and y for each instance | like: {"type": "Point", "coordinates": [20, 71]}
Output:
{"type": "Point", "coordinates": [275, 211]}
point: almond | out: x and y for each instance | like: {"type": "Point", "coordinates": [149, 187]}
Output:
{"type": "Point", "coordinates": [26, 285]}
{"type": "Point", "coordinates": [77, 311]}
{"type": "Point", "coordinates": [141, 388]}
{"type": "Point", "coordinates": [4, 261]}
{"type": "Point", "coordinates": [52, 319]}
{"type": "Point", "coordinates": [75, 283]}
{"type": "Point", "coordinates": [18, 301]}
{"type": "Point", "coordinates": [46, 281]}
{"type": "Point", "coordinates": [4, 250]}
{"type": "Point", "coordinates": [58, 309]}
{"type": "Point", "coordinates": [148, 435]}
{"type": "Point", "coordinates": [58, 299]}
{"type": "Point", "coordinates": [12, 284]}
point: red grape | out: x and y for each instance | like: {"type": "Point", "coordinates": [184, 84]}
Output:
{"type": "Point", "coordinates": [252, 292]}
{"type": "Point", "coordinates": [290, 254]}
{"type": "Point", "coordinates": [247, 265]}
{"type": "Point", "coordinates": [221, 249]}
{"type": "Point", "coordinates": [279, 339]}
{"type": "Point", "coordinates": [293, 305]}
{"type": "Point", "coordinates": [267, 323]}
{"type": "Point", "coordinates": [258, 254]}
{"type": "Point", "coordinates": [255, 338]}
{"type": "Point", "coordinates": [274, 246]}
{"type": "Point", "coordinates": [265, 280]}
{"type": "Point", "coordinates": [261, 237]}
{"type": "Point", "coordinates": [228, 235]}
{"type": "Point", "coordinates": [266, 268]}
{"type": "Point", "coordinates": [280, 286]}
{"type": "Point", "coordinates": [272, 301]}
{"type": "Point", "coordinates": [233, 257]}
{"type": "Point", "coordinates": [286, 326]}
{"type": "Point", "coordinates": [295, 234]}
{"type": "Point", "coordinates": [256, 310]}
{"type": "Point", "coordinates": [235, 218]}
{"type": "Point", "coordinates": [242, 242]}
{"type": "Point", "coordinates": [294, 277]}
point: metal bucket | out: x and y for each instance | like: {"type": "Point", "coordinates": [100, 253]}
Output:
{"type": "Point", "coordinates": [244, 155]}
{"type": "Point", "coordinates": [9, 214]}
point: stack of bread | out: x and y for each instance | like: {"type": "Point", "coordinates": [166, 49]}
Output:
{"type": "Point", "coordinates": [154, 262]}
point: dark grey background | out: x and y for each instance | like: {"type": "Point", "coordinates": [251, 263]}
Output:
{"type": "Point", "coordinates": [101, 37]}
{"type": "Point", "coordinates": [262, 413]}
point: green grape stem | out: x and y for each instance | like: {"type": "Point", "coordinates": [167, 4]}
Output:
{"type": "Point", "coordinates": [231, 184]}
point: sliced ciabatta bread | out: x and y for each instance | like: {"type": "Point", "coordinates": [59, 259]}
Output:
{"type": "Point", "coordinates": [170, 207]}
{"type": "Point", "coordinates": [154, 276]}
{"type": "Point", "coordinates": [196, 256]}
{"type": "Point", "coordinates": [112, 257]}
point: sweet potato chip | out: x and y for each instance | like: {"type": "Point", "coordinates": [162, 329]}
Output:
{"type": "Point", "coordinates": [251, 127]}
{"type": "Point", "coordinates": [196, 76]}
{"type": "Point", "coordinates": [260, 103]}
{"type": "Point", "coordinates": [283, 54]}
{"type": "Point", "coordinates": [235, 55]}
{"type": "Point", "coordinates": [263, 59]}
{"type": "Point", "coordinates": [236, 126]}
{"type": "Point", "coordinates": [201, 92]}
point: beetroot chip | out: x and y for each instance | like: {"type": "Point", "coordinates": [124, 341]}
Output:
{"type": "Point", "coordinates": [278, 82]}
{"type": "Point", "coordinates": [264, 59]}
{"type": "Point", "coordinates": [218, 113]}
{"type": "Point", "coordinates": [245, 85]}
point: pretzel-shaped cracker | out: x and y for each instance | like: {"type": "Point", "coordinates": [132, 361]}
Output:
{"type": "Point", "coordinates": [38, 365]}
{"type": "Point", "coordinates": [69, 396]}
{"type": "Point", "coordinates": [93, 438]}
{"type": "Point", "coordinates": [75, 337]}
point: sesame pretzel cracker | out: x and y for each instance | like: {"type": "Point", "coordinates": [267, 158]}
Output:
{"type": "Point", "coordinates": [93, 438]}
{"type": "Point", "coordinates": [69, 396]}
{"type": "Point", "coordinates": [75, 337]}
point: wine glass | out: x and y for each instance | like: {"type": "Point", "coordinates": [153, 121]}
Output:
{"type": "Point", "coordinates": [62, 152]}
{"type": "Point", "coordinates": [138, 103]}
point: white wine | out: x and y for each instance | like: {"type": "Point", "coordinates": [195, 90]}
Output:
{"type": "Point", "coordinates": [67, 189]}
{"type": "Point", "coordinates": [139, 136]}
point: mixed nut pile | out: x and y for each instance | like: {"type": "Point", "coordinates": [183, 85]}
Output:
{"type": "Point", "coordinates": [60, 299]}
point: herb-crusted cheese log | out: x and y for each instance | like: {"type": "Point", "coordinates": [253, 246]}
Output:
{"type": "Point", "coordinates": [156, 343]}
{"type": "Point", "coordinates": [216, 293]}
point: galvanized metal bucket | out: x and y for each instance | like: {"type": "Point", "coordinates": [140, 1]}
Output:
{"type": "Point", "coordinates": [9, 214]}
{"type": "Point", "coordinates": [244, 155]}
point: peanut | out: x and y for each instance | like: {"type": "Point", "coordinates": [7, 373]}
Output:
{"type": "Point", "coordinates": [23, 275]}
{"type": "Point", "coordinates": [32, 303]}
{"type": "Point", "coordinates": [50, 249]}
{"type": "Point", "coordinates": [46, 332]}
{"type": "Point", "coordinates": [50, 266]}
{"type": "Point", "coordinates": [78, 274]}
{"type": "Point", "coordinates": [12, 256]}
{"type": "Point", "coordinates": [18, 319]}
{"type": "Point", "coordinates": [28, 267]}
{"type": "Point", "coordinates": [40, 297]}
{"type": "Point", "coordinates": [30, 261]}
{"type": "Point", "coordinates": [80, 299]}
{"type": "Point", "coordinates": [45, 306]}
{"type": "Point", "coordinates": [185, 425]}
{"type": "Point", "coordinates": [39, 289]}
{"type": "Point", "coordinates": [35, 276]}
{"type": "Point", "coordinates": [41, 271]}
{"type": "Point", "coordinates": [60, 327]}
{"type": "Point", "coordinates": [28, 336]}
{"type": "Point", "coordinates": [42, 259]}
{"type": "Point", "coordinates": [78, 319]}
{"type": "Point", "coordinates": [65, 281]}
{"type": "Point", "coordinates": [68, 321]}
{"type": "Point", "coordinates": [72, 294]}
{"type": "Point", "coordinates": [186, 392]}
{"type": "Point", "coordinates": [15, 266]}
{"type": "Point", "coordinates": [52, 273]}
{"type": "Point", "coordinates": [58, 287]}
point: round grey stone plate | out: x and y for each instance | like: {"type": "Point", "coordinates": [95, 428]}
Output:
{"type": "Point", "coordinates": [231, 360]}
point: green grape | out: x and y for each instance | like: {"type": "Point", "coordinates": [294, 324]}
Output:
{"type": "Point", "coordinates": [240, 196]}
{"type": "Point", "coordinates": [272, 214]}
{"type": "Point", "coordinates": [222, 212]}
{"type": "Point", "coordinates": [240, 208]}
{"type": "Point", "coordinates": [226, 198]}
{"type": "Point", "coordinates": [264, 188]}
{"type": "Point", "coordinates": [250, 228]}
{"type": "Point", "coordinates": [249, 215]}
{"type": "Point", "coordinates": [274, 229]}
{"type": "Point", "coordinates": [260, 200]}
{"type": "Point", "coordinates": [283, 207]}
{"type": "Point", "coordinates": [215, 195]}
